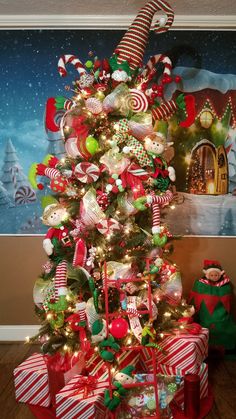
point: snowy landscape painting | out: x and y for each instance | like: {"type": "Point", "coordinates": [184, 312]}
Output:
{"type": "Point", "coordinates": [205, 153]}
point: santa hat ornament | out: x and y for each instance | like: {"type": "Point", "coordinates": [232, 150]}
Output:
{"type": "Point", "coordinates": [212, 265]}
{"type": "Point", "coordinates": [133, 44]}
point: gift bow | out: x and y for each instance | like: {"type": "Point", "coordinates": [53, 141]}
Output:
{"type": "Point", "coordinates": [86, 384]}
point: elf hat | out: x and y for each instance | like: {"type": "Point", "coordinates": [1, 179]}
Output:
{"type": "Point", "coordinates": [133, 44]}
{"type": "Point", "coordinates": [97, 327]}
{"type": "Point", "coordinates": [212, 265]}
{"type": "Point", "coordinates": [127, 370]}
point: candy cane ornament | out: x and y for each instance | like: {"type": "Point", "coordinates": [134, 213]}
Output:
{"type": "Point", "coordinates": [157, 201]}
{"type": "Point", "coordinates": [153, 61]}
{"type": "Point", "coordinates": [61, 279]}
{"type": "Point", "coordinates": [70, 59]}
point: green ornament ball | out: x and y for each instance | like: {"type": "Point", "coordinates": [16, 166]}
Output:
{"type": "Point", "coordinates": [91, 145]}
{"type": "Point", "coordinates": [89, 64]}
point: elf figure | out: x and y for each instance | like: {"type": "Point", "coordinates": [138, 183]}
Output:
{"type": "Point", "coordinates": [58, 234]}
{"type": "Point", "coordinates": [211, 296]}
{"type": "Point", "coordinates": [156, 145]}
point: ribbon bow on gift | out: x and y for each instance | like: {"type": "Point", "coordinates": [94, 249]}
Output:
{"type": "Point", "coordinates": [86, 384]}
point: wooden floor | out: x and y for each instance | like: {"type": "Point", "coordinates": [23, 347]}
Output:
{"type": "Point", "coordinates": [222, 376]}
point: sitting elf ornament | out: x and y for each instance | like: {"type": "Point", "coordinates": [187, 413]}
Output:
{"type": "Point", "coordinates": [156, 145]}
{"type": "Point", "coordinates": [211, 296]}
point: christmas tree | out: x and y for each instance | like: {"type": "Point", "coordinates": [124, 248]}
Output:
{"type": "Point", "coordinates": [109, 286]}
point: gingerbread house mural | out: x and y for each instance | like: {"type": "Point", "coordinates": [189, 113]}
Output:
{"type": "Point", "coordinates": [203, 151]}
{"type": "Point", "coordinates": [205, 156]}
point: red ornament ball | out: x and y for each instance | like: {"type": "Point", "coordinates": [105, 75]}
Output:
{"type": "Point", "coordinates": [58, 184]}
{"type": "Point", "coordinates": [119, 328]}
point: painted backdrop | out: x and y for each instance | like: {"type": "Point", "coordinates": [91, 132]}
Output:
{"type": "Point", "coordinates": [205, 154]}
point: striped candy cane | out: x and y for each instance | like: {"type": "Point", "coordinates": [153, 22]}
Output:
{"type": "Point", "coordinates": [156, 59]}
{"type": "Point", "coordinates": [157, 202]}
{"type": "Point", "coordinates": [70, 59]}
{"type": "Point", "coordinates": [60, 279]}
{"type": "Point", "coordinates": [14, 171]}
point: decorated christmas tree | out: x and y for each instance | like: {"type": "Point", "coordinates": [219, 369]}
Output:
{"type": "Point", "coordinates": [109, 292]}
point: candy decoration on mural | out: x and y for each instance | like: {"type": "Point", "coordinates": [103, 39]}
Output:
{"type": "Point", "coordinates": [24, 195]}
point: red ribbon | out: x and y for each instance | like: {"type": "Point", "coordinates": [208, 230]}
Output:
{"type": "Point", "coordinates": [86, 384]}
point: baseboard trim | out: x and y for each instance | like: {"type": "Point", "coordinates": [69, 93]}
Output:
{"type": "Point", "coordinates": [17, 333]}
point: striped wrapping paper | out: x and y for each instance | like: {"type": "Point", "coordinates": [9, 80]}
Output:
{"type": "Point", "coordinates": [183, 352]}
{"type": "Point", "coordinates": [96, 366]}
{"type": "Point", "coordinates": [31, 381]}
{"type": "Point", "coordinates": [71, 404]}
{"type": "Point", "coordinates": [203, 373]}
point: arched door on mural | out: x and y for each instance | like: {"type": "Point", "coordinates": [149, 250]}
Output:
{"type": "Point", "coordinates": [208, 171]}
{"type": "Point", "coordinates": [222, 171]}
{"type": "Point", "coordinates": [202, 170]}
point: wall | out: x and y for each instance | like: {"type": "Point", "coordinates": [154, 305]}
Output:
{"type": "Point", "coordinates": [22, 258]}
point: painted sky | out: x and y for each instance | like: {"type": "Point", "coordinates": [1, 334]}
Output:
{"type": "Point", "coordinates": [28, 68]}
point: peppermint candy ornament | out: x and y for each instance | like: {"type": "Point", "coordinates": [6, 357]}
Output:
{"type": "Point", "coordinates": [137, 101]}
{"type": "Point", "coordinates": [108, 226]}
{"type": "Point", "coordinates": [87, 172]}
{"type": "Point", "coordinates": [94, 105]}
{"type": "Point", "coordinates": [86, 80]}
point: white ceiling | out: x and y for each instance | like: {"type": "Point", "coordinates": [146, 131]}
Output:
{"type": "Point", "coordinates": [112, 7]}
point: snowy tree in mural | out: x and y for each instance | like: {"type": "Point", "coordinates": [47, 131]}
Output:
{"type": "Point", "coordinates": [14, 180]}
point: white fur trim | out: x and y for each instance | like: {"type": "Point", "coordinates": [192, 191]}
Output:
{"type": "Point", "coordinates": [156, 230]}
{"type": "Point", "coordinates": [149, 199]}
{"type": "Point", "coordinates": [62, 291]}
{"type": "Point", "coordinates": [80, 306]}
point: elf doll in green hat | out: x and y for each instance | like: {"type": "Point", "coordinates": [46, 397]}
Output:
{"type": "Point", "coordinates": [211, 296]}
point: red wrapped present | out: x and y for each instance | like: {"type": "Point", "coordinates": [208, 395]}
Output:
{"type": "Point", "coordinates": [31, 381]}
{"type": "Point", "coordinates": [185, 352]}
{"type": "Point", "coordinates": [202, 371]}
{"type": "Point", "coordinates": [61, 369]}
{"type": "Point", "coordinates": [96, 366]}
{"type": "Point", "coordinates": [82, 397]}
{"type": "Point", "coordinates": [128, 357]}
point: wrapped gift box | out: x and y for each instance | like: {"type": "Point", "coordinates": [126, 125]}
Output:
{"type": "Point", "coordinates": [82, 398]}
{"type": "Point", "coordinates": [185, 352]}
{"type": "Point", "coordinates": [96, 366]}
{"type": "Point", "coordinates": [61, 369]}
{"type": "Point", "coordinates": [141, 402]}
{"type": "Point", "coordinates": [31, 381]}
